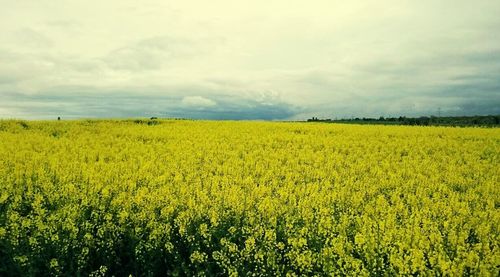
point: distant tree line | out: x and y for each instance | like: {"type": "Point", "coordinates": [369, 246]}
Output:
{"type": "Point", "coordinates": [488, 120]}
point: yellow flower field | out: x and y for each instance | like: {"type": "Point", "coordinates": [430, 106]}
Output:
{"type": "Point", "coordinates": [178, 197]}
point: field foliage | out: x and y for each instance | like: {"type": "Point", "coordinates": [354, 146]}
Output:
{"type": "Point", "coordinates": [120, 197]}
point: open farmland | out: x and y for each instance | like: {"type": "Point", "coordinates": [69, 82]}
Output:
{"type": "Point", "coordinates": [202, 198]}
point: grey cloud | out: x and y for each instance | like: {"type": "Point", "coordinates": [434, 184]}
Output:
{"type": "Point", "coordinates": [464, 82]}
{"type": "Point", "coordinates": [85, 102]}
{"type": "Point", "coordinates": [63, 24]}
{"type": "Point", "coordinates": [237, 107]}
{"type": "Point", "coordinates": [16, 68]}
{"type": "Point", "coordinates": [153, 53]}
{"type": "Point", "coordinates": [132, 59]}
{"type": "Point", "coordinates": [28, 37]}
{"type": "Point", "coordinates": [359, 59]}
{"type": "Point", "coordinates": [32, 71]}
{"type": "Point", "coordinates": [5, 79]}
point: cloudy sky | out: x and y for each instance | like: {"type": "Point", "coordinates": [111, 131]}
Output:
{"type": "Point", "coordinates": [260, 59]}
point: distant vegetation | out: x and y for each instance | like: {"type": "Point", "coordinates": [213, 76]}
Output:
{"type": "Point", "coordinates": [488, 120]}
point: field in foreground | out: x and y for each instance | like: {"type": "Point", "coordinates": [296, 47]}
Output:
{"type": "Point", "coordinates": [227, 198]}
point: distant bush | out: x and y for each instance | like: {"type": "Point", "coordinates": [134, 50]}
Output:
{"type": "Point", "coordinates": [490, 120]}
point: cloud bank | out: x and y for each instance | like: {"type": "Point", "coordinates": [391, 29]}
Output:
{"type": "Point", "coordinates": [257, 60]}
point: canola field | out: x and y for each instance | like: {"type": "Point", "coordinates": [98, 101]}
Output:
{"type": "Point", "coordinates": [205, 198]}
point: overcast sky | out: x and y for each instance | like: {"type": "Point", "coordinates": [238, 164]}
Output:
{"type": "Point", "coordinates": [260, 59]}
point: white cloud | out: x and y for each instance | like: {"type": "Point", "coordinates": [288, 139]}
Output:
{"type": "Point", "coordinates": [198, 101]}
